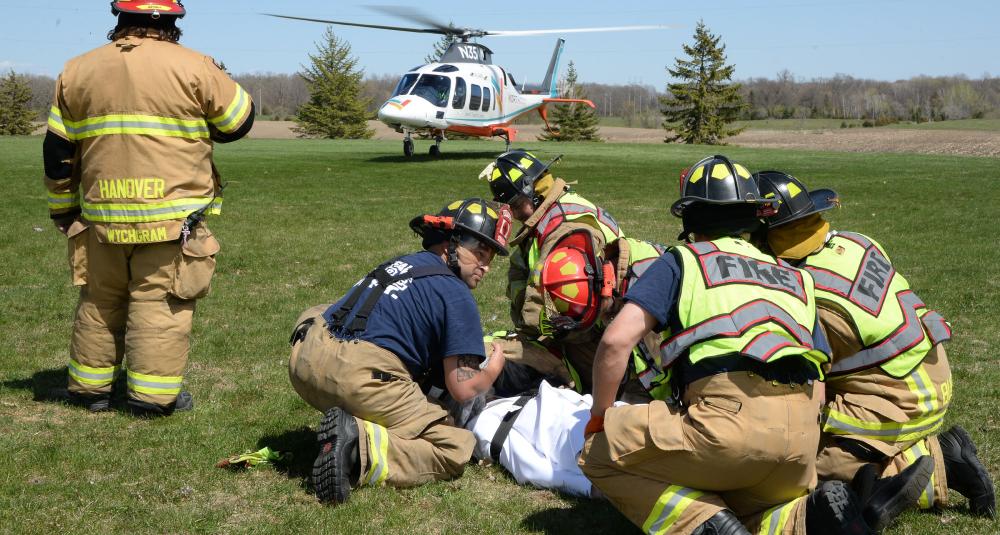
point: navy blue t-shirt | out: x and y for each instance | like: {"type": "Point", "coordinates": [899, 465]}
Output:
{"type": "Point", "coordinates": [421, 320]}
{"type": "Point", "coordinates": [656, 292]}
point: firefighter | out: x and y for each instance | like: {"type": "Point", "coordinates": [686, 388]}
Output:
{"type": "Point", "coordinates": [368, 360]}
{"type": "Point", "coordinates": [583, 291]}
{"type": "Point", "coordinates": [743, 348]}
{"type": "Point", "coordinates": [889, 385]}
{"type": "Point", "coordinates": [549, 211]}
{"type": "Point", "coordinates": [129, 171]}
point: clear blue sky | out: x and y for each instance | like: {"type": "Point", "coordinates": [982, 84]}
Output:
{"type": "Point", "coordinates": [878, 39]}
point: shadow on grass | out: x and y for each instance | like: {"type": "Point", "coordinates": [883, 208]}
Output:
{"type": "Point", "coordinates": [585, 516]}
{"type": "Point", "coordinates": [301, 443]}
{"type": "Point", "coordinates": [445, 156]}
{"type": "Point", "coordinates": [45, 385]}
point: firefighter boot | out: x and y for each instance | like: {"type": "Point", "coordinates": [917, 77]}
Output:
{"type": "Point", "coordinates": [339, 463]}
{"type": "Point", "coordinates": [834, 509]}
{"type": "Point", "coordinates": [92, 402]}
{"type": "Point", "coordinates": [723, 523]}
{"type": "Point", "coordinates": [890, 496]}
{"type": "Point", "coordinates": [966, 473]}
{"type": "Point", "coordinates": [184, 402]}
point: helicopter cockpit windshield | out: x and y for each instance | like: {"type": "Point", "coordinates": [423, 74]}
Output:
{"type": "Point", "coordinates": [431, 87]}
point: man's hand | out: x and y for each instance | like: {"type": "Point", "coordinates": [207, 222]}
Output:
{"type": "Point", "coordinates": [63, 223]}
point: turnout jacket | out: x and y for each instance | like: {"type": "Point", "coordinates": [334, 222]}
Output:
{"type": "Point", "coordinates": [130, 138]}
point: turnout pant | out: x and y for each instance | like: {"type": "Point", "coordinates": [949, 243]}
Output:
{"type": "Point", "coordinates": [136, 308]}
{"type": "Point", "coordinates": [404, 440]}
{"type": "Point", "coordinates": [740, 442]}
{"type": "Point", "coordinates": [873, 417]}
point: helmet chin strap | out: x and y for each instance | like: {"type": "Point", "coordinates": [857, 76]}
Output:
{"type": "Point", "coordinates": [453, 256]}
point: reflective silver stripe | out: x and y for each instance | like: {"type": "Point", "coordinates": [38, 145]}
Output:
{"type": "Point", "coordinates": [165, 385]}
{"type": "Point", "coordinates": [922, 388]}
{"type": "Point", "coordinates": [833, 422]}
{"type": "Point", "coordinates": [917, 452]}
{"type": "Point", "coordinates": [702, 247]}
{"type": "Point", "coordinates": [767, 344]}
{"type": "Point", "coordinates": [856, 238]}
{"type": "Point", "coordinates": [147, 125]}
{"type": "Point", "coordinates": [872, 283]}
{"type": "Point", "coordinates": [829, 281]}
{"type": "Point", "coordinates": [608, 220]}
{"type": "Point", "coordinates": [936, 326]}
{"type": "Point", "coordinates": [902, 340]}
{"type": "Point", "coordinates": [224, 123]}
{"type": "Point", "coordinates": [380, 465]}
{"type": "Point", "coordinates": [727, 268]}
{"type": "Point", "coordinates": [102, 210]}
{"type": "Point", "coordinates": [774, 520]}
{"type": "Point", "coordinates": [565, 209]}
{"type": "Point", "coordinates": [63, 200]}
{"type": "Point", "coordinates": [668, 508]}
{"type": "Point", "coordinates": [734, 325]}
{"type": "Point", "coordinates": [109, 377]}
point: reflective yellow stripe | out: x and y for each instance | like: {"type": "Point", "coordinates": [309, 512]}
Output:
{"type": "Point", "coordinates": [148, 213]}
{"type": "Point", "coordinates": [839, 423]}
{"type": "Point", "coordinates": [378, 453]}
{"type": "Point", "coordinates": [229, 121]}
{"type": "Point", "coordinates": [776, 518]}
{"type": "Point", "coordinates": [669, 507]}
{"type": "Point", "coordinates": [926, 500]}
{"type": "Point", "coordinates": [62, 201]}
{"type": "Point", "coordinates": [56, 121]}
{"type": "Point", "coordinates": [154, 384]}
{"type": "Point", "coordinates": [150, 125]}
{"type": "Point", "coordinates": [89, 375]}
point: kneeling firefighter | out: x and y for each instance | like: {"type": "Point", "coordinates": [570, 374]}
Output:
{"type": "Point", "coordinates": [409, 328]}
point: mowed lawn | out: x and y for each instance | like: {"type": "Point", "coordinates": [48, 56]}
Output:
{"type": "Point", "coordinates": [302, 221]}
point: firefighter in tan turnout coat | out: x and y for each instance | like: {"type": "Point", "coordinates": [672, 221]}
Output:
{"type": "Point", "coordinates": [128, 167]}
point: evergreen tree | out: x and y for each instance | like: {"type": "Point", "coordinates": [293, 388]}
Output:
{"type": "Point", "coordinates": [698, 107]}
{"type": "Point", "coordinates": [336, 108]}
{"type": "Point", "coordinates": [441, 46]}
{"type": "Point", "coordinates": [574, 121]}
{"type": "Point", "coordinates": [15, 110]}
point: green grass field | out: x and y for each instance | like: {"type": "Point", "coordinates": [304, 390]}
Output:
{"type": "Point", "coordinates": [302, 221]}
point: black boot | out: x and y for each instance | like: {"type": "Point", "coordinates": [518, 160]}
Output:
{"type": "Point", "coordinates": [141, 409]}
{"type": "Point", "coordinates": [890, 496]}
{"type": "Point", "coordinates": [966, 473]}
{"type": "Point", "coordinates": [338, 464]}
{"type": "Point", "coordinates": [834, 509]}
{"type": "Point", "coordinates": [93, 402]}
{"type": "Point", "coordinates": [723, 523]}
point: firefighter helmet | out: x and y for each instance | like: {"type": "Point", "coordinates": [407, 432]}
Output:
{"type": "Point", "coordinates": [487, 222]}
{"type": "Point", "coordinates": [794, 200]}
{"type": "Point", "coordinates": [574, 281]}
{"type": "Point", "coordinates": [153, 8]}
{"type": "Point", "coordinates": [717, 180]}
{"type": "Point", "coordinates": [514, 173]}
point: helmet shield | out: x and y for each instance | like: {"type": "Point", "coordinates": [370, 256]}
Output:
{"type": "Point", "coordinates": [794, 200]}
{"type": "Point", "coordinates": [717, 180]}
{"type": "Point", "coordinates": [487, 222]}
{"type": "Point", "coordinates": [153, 8]}
{"type": "Point", "coordinates": [514, 173]}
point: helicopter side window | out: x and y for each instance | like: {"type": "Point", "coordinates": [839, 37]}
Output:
{"type": "Point", "coordinates": [476, 99]}
{"type": "Point", "coordinates": [405, 83]}
{"type": "Point", "coordinates": [487, 99]}
{"type": "Point", "coordinates": [433, 88]}
{"type": "Point", "coordinates": [458, 101]}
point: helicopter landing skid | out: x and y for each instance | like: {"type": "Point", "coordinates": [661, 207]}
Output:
{"type": "Point", "coordinates": [407, 144]}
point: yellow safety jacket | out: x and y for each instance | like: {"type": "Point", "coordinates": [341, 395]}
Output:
{"type": "Point", "coordinates": [141, 112]}
{"type": "Point", "coordinates": [854, 275]}
{"type": "Point", "coordinates": [645, 360]}
{"type": "Point", "coordinates": [734, 299]}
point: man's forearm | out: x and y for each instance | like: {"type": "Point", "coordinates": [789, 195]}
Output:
{"type": "Point", "coordinates": [609, 368]}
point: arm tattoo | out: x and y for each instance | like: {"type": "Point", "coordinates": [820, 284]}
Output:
{"type": "Point", "coordinates": [467, 367]}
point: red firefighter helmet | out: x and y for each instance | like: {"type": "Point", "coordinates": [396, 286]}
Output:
{"type": "Point", "coordinates": [153, 8]}
{"type": "Point", "coordinates": [575, 281]}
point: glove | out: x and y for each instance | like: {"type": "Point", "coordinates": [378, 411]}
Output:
{"type": "Point", "coordinates": [253, 459]}
{"type": "Point", "coordinates": [595, 425]}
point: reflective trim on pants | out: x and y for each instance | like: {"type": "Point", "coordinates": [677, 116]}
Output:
{"type": "Point", "coordinates": [838, 423]}
{"type": "Point", "coordinates": [776, 518]}
{"type": "Point", "coordinates": [926, 500]}
{"type": "Point", "coordinates": [378, 453]}
{"type": "Point", "coordinates": [153, 385]}
{"type": "Point", "coordinates": [90, 376]}
{"type": "Point", "coordinates": [669, 507]}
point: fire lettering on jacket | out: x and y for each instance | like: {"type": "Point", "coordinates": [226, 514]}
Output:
{"type": "Point", "coordinates": [131, 188]}
{"type": "Point", "coordinates": [143, 235]}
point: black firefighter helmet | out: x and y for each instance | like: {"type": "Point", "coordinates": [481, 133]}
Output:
{"type": "Point", "coordinates": [794, 200]}
{"type": "Point", "coordinates": [153, 8]}
{"type": "Point", "coordinates": [720, 196]}
{"type": "Point", "coordinates": [487, 222]}
{"type": "Point", "coordinates": [514, 173]}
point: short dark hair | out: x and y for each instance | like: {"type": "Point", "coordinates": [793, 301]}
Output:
{"type": "Point", "coordinates": [163, 27]}
{"type": "Point", "coordinates": [718, 220]}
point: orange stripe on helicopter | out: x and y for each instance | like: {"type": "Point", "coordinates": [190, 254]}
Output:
{"type": "Point", "coordinates": [397, 104]}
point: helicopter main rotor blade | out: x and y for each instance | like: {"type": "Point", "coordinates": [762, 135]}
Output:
{"type": "Point", "coordinates": [518, 33]}
{"type": "Point", "coordinates": [358, 24]}
{"type": "Point", "coordinates": [415, 15]}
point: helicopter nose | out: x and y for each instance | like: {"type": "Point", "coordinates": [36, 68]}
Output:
{"type": "Point", "coordinates": [406, 110]}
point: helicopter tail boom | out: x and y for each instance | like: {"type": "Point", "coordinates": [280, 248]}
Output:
{"type": "Point", "coordinates": [548, 85]}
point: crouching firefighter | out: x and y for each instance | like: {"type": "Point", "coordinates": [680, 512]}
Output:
{"type": "Point", "coordinates": [889, 385]}
{"type": "Point", "coordinates": [411, 325]}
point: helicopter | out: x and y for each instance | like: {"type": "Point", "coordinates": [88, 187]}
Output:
{"type": "Point", "coordinates": [463, 91]}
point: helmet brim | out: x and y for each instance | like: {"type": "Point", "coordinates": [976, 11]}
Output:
{"type": "Point", "coordinates": [420, 226]}
{"type": "Point", "coordinates": [677, 209]}
{"type": "Point", "coordinates": [822, 199]}
{"type": "Point", "coordinates": [148, 7]}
